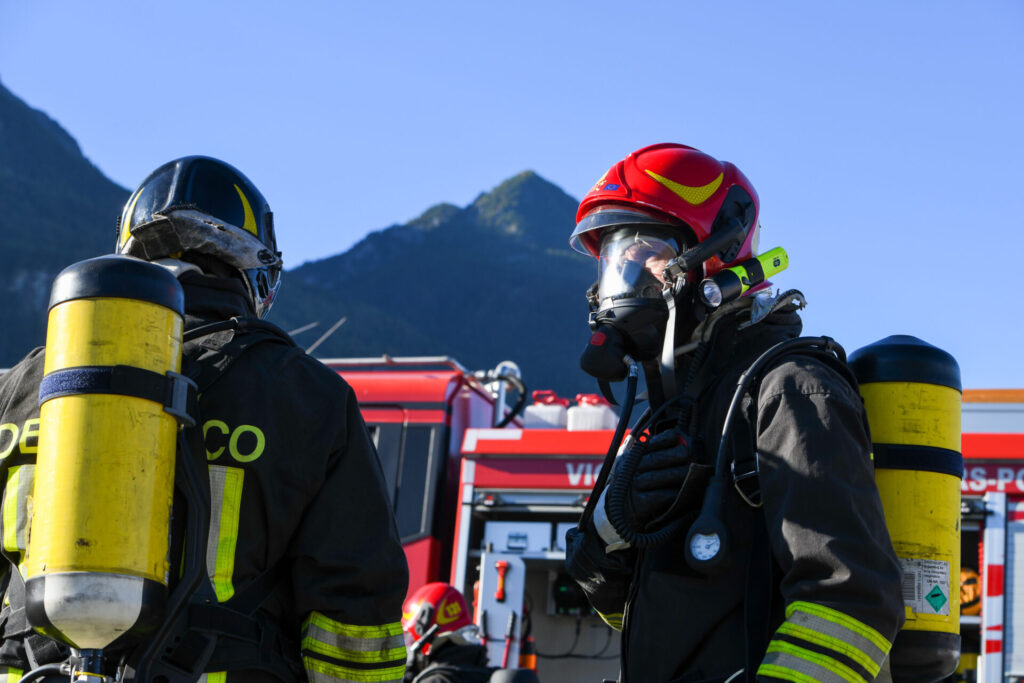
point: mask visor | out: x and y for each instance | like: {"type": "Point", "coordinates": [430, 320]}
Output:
{"type": "Point", "coordinates": [631, 266]}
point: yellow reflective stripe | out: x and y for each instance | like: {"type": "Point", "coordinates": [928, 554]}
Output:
{"type": "Point", "coordinates": [364, 655]}
{"type": "Point", "coordinates": [691, 195]}
{"type": "Point", "coordinates": [614, 620]}
{"type": "Point", "coordinates": [215, 677]}
{"type": "Point", "coordinates": [11, 675]}
{"type": "Point", "coordinates": [225, 507]}
{"type": "Point", "coordinates": [803, 661]}
{"type": "Point", "coordinates": [10, 510]}
{"type": "Point", "coordinates": [15, 511]}
{"type": "Point", "coordinates": [356, 644]}
{"type": "Point", "coordinates": [324, 672]}
{"type": "Point", "coordinates": [817, 631]}
{"type": "Point", "coordinates": [844, 620]}
{"type": "Point", "coordinates": [785, 674]}
{"type": "Point", "coordinates": [351, 630]}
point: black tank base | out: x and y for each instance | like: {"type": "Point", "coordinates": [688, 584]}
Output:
{"type": "Point", "coordinates": [924, 656]}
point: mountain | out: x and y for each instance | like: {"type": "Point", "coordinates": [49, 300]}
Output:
{"type": "Point", "coordinates": [55, 208]}
{"type": "Point", "coordinates": [491, 281]}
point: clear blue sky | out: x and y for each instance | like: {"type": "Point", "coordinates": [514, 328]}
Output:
{"type": "Point", "coordinates": [884, 138]}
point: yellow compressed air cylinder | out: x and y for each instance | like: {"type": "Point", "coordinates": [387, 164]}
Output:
{"type": "Point", "coordinates": [912, 395]}
{"type": "Point", "coordinates": [98, 555]}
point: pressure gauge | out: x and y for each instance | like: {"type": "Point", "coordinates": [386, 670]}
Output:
{"type": "Point", "coordinates": [707, 542]}
{"type": "Point", "coordinates": [704, 547]}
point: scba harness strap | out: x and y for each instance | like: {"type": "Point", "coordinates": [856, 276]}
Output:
{"type": "Point", "coordinates": [745, 473]}
{"type": "Point", "coordinates": [203, 635]}
{"type": "Point", "coordinates": [744, 463]}
{"type": "Point", "coordinates": [198, 634]}
{"type": "Point", "coordinates": [175, 392]}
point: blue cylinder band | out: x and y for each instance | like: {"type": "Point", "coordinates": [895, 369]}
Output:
{"type": "Point", "coordinates": [123, 380]}
{"type": "Point", "coordinates": [926, 458]}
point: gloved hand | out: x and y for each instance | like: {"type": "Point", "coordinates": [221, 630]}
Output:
{"type": "Point", "coordinates": [659, 477]}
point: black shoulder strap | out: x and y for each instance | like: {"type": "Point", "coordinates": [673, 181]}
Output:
{"type": "Point", "coordinates": [200, 634]}
{"type": "Point", "coordinates": [212, 349]}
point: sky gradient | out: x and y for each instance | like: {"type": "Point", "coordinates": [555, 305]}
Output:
{"type": "Point", "coordinates": [884, 139]}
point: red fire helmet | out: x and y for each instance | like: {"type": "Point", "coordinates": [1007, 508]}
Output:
{"type": "Point", "coordinates": [435, 603]}
{"type": "Point", "coordinates": [671, 184]}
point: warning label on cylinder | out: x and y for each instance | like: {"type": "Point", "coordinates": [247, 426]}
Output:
{"type": "Point", "coordinates": [926, 585]}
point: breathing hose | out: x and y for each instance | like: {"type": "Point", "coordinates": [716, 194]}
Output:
{"type": "Point", "coordinates": [708, 532]}
{"type": "Point", "coordinates": [618, 492]}
{"type": "Point", "coordinates": [826, 344]}
{"type": "Point", "coordinates": [42, 672]}
{"type": "Point", "coordinates": [613, 448]}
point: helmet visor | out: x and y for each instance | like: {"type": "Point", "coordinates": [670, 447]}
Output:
{"type": "Point", "coordinates": [606, 217]}
{"type": "Point", "coordinates": [632, 264]}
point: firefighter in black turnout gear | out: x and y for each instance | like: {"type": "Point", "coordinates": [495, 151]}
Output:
{"type": "Point", "coordinates": [760, 556]}
{"type": "Point", "coordinates": [302, 549]}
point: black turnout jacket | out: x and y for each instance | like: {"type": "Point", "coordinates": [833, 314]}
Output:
{"type": "Point", "coordinates": [815, 562]}
{"type": "Point", "coordinates": [295, 485]}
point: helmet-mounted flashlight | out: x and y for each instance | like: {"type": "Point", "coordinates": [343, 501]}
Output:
{"type": "Point", "coordinates": [730, 284]}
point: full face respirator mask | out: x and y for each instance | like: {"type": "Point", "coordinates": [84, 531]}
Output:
{"type": "Point", "coordinates": [628, 306]}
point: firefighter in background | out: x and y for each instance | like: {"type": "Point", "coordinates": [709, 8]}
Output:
{"type": "Point", "coordinates": [298, 497]}
{"type": "Point", "coordinates": [454, 651]}
{"type": "Point", "coordinates": [445, 646]}
{"type": "Point", "coordinates": [802, 582]}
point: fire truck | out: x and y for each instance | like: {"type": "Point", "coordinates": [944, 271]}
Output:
{"type": "Point", "coordinates": [992, 533]}
{"type": "Point", "coordinates": [486, 510]}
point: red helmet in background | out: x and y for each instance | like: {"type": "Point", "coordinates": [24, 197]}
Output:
{"type": "Point", "coordinates": [675, 185]}
{"type": "Point", "coordinates": [441, 604]}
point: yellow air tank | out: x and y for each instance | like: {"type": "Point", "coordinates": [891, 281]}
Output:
{"type": "Point", "coordinates": [97, 561]}
{"type": "Point", "coordinates": [911, 392]}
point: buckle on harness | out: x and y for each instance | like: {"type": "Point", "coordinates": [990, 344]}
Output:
{"type": "Point", "coordinates": [748, 483]}
{"type": "Point", "coordinates": [183, 396]}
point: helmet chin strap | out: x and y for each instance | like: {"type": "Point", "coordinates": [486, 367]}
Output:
{"type": "Point", "coordinates": [668, 349]}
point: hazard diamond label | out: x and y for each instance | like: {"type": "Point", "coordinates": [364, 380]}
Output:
{"type": "Point", "coordinates": [926, 585]}
{"type": "Point", "coordinates": [936, 598]}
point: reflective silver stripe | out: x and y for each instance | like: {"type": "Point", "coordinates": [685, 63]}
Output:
{"type": "Point", "coordinates": [605, 529]}
{"type": "Point", "coordinates": [339, 642]}
{"type": "Point", "coordinates": [325, 672]}
{"type": "Point", "coordinates": [836, 637]}
{"type": "Point", "coordinates": [842, 619]}
{"type": "Point", "coordinates": [793, 663]}
{"type": "Point", "coordinates": [382, 645]}
{"type": "Point", "coordinates": [15, 508]}
{"type": "Point", "coordinates": [225, 506]}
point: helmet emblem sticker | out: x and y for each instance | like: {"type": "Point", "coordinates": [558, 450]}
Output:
{"type": "Point", "coordinates": [448, 612]}
{"type": "Point", "coordinates": [126, 222]}
{"type": "Point", "coordinates": [691, 195]}
{"type": "Point", "coordinates": [250, 218]}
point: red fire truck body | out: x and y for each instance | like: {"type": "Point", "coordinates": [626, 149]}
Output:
{"type": "Point", "coordinates": [993, 532]}
{"type": "Point", "coordinates": [468, 496]}
{"type": "Point", "coordinates": [417, 410]}
{"type": "Point", "coordinates": [486, 510]}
